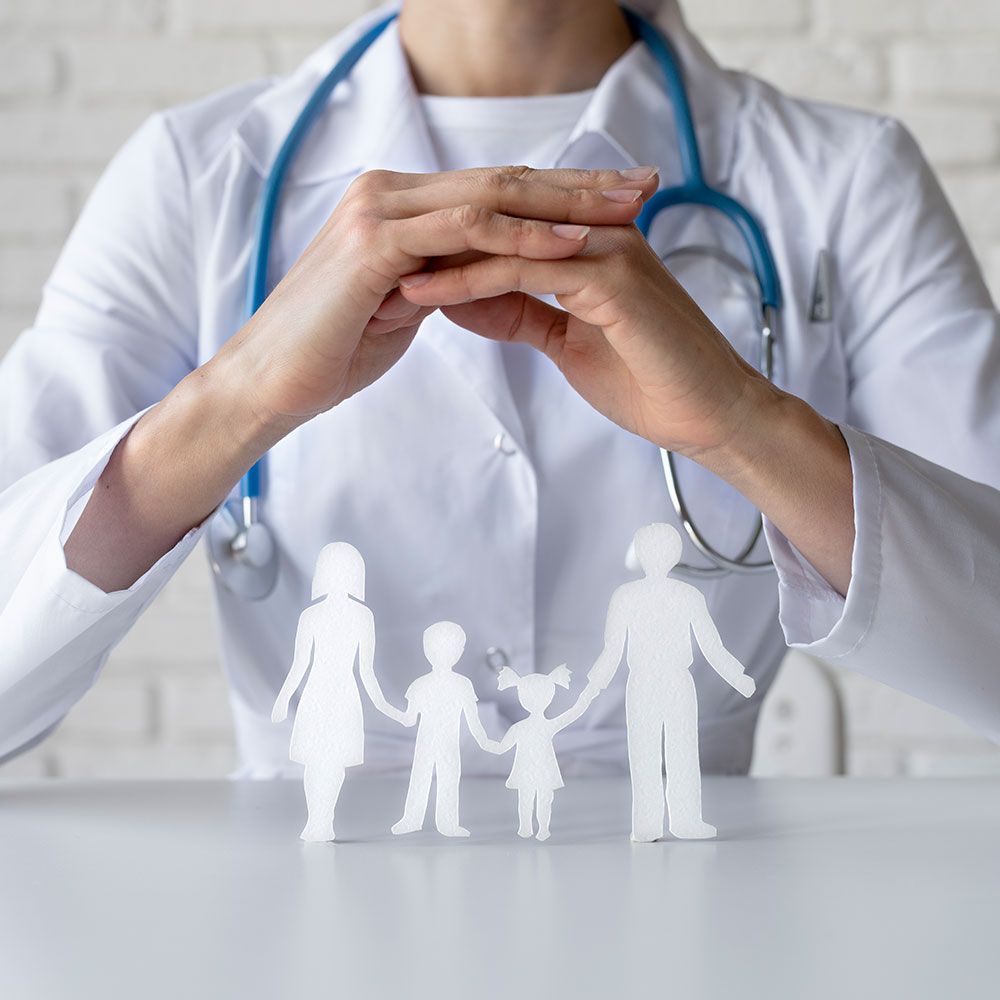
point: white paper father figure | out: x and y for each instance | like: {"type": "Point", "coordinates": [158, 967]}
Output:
{"type": "Point", "coordinates": [655, 616]}
{"type": "Point", "coordinates": [535, 773]}
{"type": "Point", "coordinates": [328, 732]}
{"type": "Point", "coordinates": [439, 699]}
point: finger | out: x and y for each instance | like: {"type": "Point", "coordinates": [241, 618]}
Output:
{"type": "Point", "coordinates": [599, 197]}
{"type": "Point", "coordinates": [395, 306]}
{"type": "Point", "coordinates": [512, 318]}
{"type": "Point", "coordinates": [497, 275]}
{"type": "Point", "coordinates": [522, 319]}
{"type": "Point", "coordinates": [378, 327]}
{"type": "Point", "coordinates": [576, 177]}
{"type": "Point", "coordinates": [471, 228]}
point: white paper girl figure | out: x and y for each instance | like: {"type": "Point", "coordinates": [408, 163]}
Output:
{"type": "Point", "coordinates": [535, 774]}
{"type": "Point", "coordinates": [328, 732]}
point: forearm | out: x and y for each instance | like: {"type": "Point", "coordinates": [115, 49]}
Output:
{"type": "Point", "coordinates": [795, 467]}
{"type": "Point", "coordinates": [174, 468]}
{"type": "Point", "coordinates": [477, 729]}
{"type": "Point", "coordinates": [377, 695]}
{"type": "Point", "coordinates": [604, 669]}
{"type": "Point", "coordinates": [722, 661]}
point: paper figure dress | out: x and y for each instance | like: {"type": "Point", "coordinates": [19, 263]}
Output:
{"type": "Point", "coordinates": [328, 731]}
{"type": "Point", "coordinates": [535, 774]}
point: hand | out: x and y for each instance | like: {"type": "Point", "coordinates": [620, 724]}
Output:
{"type": "Point", "coordinates": [638, 348]}
{"type": "Point", "coordinates": [390, 711]}
{"type": "Point", "coordinates": [597, 686]}
{"type": "Point", "coordinates": [280, 711]}
{"type": "Point", "coordinates": [631, 341]}
{"type": "Point", "coordinates": [491, 746]}
{"type": "Point", "coordinates": [333, 325]}
{"type": "Point", "coordinates": [746, 685]}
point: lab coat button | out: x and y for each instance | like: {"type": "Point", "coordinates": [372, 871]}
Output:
{"type": "Point", "coordinates": [504, 445]}
{"type": "Point", "coordinates": [496, 659]}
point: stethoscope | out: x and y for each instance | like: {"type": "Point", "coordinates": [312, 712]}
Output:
{"type": "Point", "coordinates": [242, 548]}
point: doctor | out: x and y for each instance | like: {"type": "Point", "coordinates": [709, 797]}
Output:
{"type": "Point", "coordinates": [490, 454]}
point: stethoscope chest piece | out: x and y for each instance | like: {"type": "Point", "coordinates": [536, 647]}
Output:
{"type": "Point", "coordinates": [243, 555]}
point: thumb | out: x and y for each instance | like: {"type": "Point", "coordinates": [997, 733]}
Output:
{"type": "Point", "coordinates": [515, 318]}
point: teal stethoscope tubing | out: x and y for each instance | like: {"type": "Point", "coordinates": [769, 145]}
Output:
{"type": "Point", "coordinates": [693, 191]}
{"type": "Point", "coordinates": [257, 284]}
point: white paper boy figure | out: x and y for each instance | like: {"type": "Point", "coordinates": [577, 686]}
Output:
{"type": "Point", "coordinates": [535, 773]}
{"type": "Point", "coordinates": [656, 616]}
{"type": "Point", "coordinates": [328, 732]}
{"type": "Point", "coordinates": [439, 699]}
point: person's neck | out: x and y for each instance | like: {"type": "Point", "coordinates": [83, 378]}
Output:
{"type": "Point", "coordinates": [511, 48]}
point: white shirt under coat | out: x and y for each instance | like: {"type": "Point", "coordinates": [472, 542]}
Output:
{"type": "Point", "coordinates": [448, 489]}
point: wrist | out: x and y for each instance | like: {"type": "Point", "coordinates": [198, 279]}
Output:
{"type": "Point", "coordinates": [227, 393]}
{"type": "Point", "coordinates": [780, 436]}
{"type": "Point", "coordinates": [201, 438]}
{"type": "Point", "coordinates": [795, 467]}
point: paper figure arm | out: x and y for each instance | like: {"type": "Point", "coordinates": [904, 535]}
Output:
{"type": "Point", "coordinates": [366, 667]}
{"type": "Point", "coordinates": [300, 664]}
{"type": "Point", "coordinates": [587, 696]}
{"type": "Point", "coordinates": [720, 659]}
{"type": "Point", "coordinates": [507, 743]}
{"type": "Point", "coordinates": [475, 725]}
{"type": "Point", "coordinates": [615, 633]}
{"type": "Point", "coordinates": [503, 745]}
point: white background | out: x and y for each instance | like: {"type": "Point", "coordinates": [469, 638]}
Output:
{"type": "Point", "coordinates": [77, 76]}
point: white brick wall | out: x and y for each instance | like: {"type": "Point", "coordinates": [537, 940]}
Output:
{"type": "Point", "coordinates": [77, 76]}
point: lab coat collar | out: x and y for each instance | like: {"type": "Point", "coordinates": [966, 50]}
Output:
{"type": "Point", "coordinates": [375, 120]}
{"type": "Point", "coordinates": [374, 117]}
{"type": "Point", "coordinates": [635, 81]}
{"type": "Point", "coordinates": [370, 119]}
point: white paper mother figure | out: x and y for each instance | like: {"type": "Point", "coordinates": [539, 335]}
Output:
{"type": "Point", "coordinates": [655, 617]}
{"type": "Point", "coordinates": [328, 732]}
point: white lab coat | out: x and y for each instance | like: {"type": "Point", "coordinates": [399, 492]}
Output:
{"type": "Point", "coordinates": [151, 283]}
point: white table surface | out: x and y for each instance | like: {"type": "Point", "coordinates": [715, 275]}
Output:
{"type": "Point", "coordinates": [814, 889]}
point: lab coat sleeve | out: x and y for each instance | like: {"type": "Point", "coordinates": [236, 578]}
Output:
{"type": "Point", "coordinates": [115, 332]}
{"type": "Point", "coordinates": [922, 341]}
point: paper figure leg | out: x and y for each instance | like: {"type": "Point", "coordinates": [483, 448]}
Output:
{"type": "Point", "coordinates": [680, 748]}
{"type": "Point", "coordinates": [645, 761]}
{"type": "Point", "coordinates": [417, 794]}
{"type": "Point", "coordinates": [448, 771]}
{"type": "Point", "coordinates": [322, 788]}
{"type": "Point", "coordinates": [544, 809]}
{"type": "Point", "coordinates": [525, 807]}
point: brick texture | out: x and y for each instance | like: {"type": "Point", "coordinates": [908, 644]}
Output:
{"type": "Point", "coordinates": [77, 76]}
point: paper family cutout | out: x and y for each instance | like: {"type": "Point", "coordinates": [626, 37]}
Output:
{"type": "Point", "coordinates": [654, 618]}
{"type": "Point", "coordinates": [440, 699]}
{"type": "Point", "coordinates": [650, 621]}
{"type": "Point", "coordinates": [535, 773]}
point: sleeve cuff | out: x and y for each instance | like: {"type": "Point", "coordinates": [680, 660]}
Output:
{"type": "Point", "coordinates": [813, 616]}
{"type": "Point", "coordinates": [76, 591]}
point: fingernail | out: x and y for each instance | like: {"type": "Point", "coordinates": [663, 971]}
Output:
{"type": "Point", "coordinates": [415, 280]}
{"type": "Point", "coordinates": [638, 173]}
{"type": "Point", "coordinates": [567, 232]}
{"type": "Point", "coordinates": [624, 195]}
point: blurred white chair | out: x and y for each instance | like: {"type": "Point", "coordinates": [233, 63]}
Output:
{"type": "Point", "coordinates": [800, 732]}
